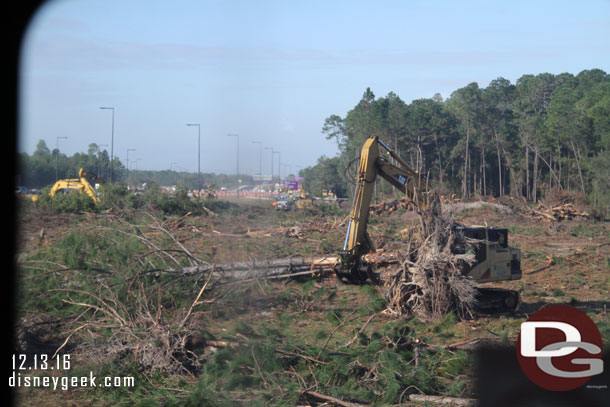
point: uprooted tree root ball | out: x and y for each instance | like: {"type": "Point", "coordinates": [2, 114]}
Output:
{"type": "Point", "coordinates": [430, 282]}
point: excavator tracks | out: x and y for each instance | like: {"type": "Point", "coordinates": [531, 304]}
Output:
{"type": "Point", "coordinates": [492, 300]}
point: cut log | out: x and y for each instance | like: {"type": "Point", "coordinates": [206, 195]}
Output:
{"type": "Point", "coordinates": [280, 268]}
{"type": "Point", "coordinates": [558, 213]}
{"type": "Point", "coordinates": [451, 401]}
{"type": "Point", "coordinates": [287, 267]}
{"type": "Point", "coordinates": [332, 400]}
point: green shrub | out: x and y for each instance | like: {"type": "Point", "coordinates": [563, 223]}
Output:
{"type": "Point", "coordinates": [116, 196]}
{"type": "Point", "coordinates": [73, 202]}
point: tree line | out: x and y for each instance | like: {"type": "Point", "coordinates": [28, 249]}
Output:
{"type": "Point", "coordinates": [544, 133]}
{"type": "Point", "coordinates": [45, 166]}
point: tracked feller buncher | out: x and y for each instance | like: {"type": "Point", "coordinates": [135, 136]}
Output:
{"type": "Point", "coordinates": [83, 184]}
{"type": "Point", "coordinates": [495, 260]}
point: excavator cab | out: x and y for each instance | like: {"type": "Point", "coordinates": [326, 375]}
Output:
{"type": "Point", "coordinates": [495, 260]}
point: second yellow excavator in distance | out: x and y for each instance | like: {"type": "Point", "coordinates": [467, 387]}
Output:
{"type": "Point", "coordinates": [495, 260]}
{"type": "Point", "coordinates": [302, 199]}
{"type": "Point", "coordinates": [84, 184]}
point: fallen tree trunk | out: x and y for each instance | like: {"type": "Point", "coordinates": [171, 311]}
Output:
{"type": "Point", "coordinates": [454, 401]}
{"type": "Point", "coordinates": [469, 344]}
{"type": "Point", "coordinates": [450, 208]}
{"type": "Point", "coordinates": [287, 267]}
{"type": "Point", "coordinates": [278, 268]}
{"type": "Point", "coordinates": [333, 400]}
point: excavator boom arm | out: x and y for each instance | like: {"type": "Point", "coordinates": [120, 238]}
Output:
{"type": "Point", "coordinates": [82, 184]}
{"type": "Point", "coordinates": [495, 260]}
{"type": "Point", "coordinates": [373, 164]}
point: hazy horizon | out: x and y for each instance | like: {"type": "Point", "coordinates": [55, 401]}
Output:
{"type": "Point", "coordinates": [271, 71]}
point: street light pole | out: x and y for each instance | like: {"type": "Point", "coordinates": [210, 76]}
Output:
{"type": "Point", "coordinates": [57, 157]}
{"type": "Point", "coordinates": [198, 155]}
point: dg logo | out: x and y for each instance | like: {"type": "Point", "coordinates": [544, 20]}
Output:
{"type": "Point", "coordinates": [560, 348]}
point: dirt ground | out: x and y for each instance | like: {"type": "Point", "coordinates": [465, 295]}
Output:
{"type": "Point", "coordinates": [565, 262]}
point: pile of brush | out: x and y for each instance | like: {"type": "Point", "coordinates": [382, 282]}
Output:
{"type": "Point", "coordinates": [431, 280]}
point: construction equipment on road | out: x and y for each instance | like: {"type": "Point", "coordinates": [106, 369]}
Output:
{"type": "Point", "coordinates": [493, 261]}
{"type": "Point", "coordinates": [85, 183]}
{"type": "Point", "coordinates": [303, 200]}
{"type": "Point", "coordinates": [281, 205]}
{"type": "Point", "coordinates": [328, 195]}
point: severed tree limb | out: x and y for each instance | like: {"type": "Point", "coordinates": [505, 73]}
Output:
{"type": "Point", "coordinates": [68, 338]}
{"type": "Point", "coordinates": [333, 400]}
{"type": "Point", "coordinates": [360, 332]}
{"type": "Point", "coordinates": [112, 313]}
{"type": "Point", "coordinates": [196, 302]}
{"type": "Point", "coordinates": [283, 352]}
{"type": "Point", "coordinates": [333, 332]}
{"type": "Point", "coordinates": [171, 236]}
{"type": "Point", "coordinates": [260, 371]}
{"type": "Point", "coordinates": [468, 344]}
{"type": "Point", "coordinates": [550, 262]}
{"type": "Point", "coordinates": [442, 400]}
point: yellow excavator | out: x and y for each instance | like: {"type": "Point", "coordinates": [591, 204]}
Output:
{"type": "Point", "coordinates": [328, 195]}
{"type": "Point", "coordinates": [302, 200]}
{"type": "Point", "coordinates": [83, 184]}
{"type": "Point", "coordinates": [495, 260]}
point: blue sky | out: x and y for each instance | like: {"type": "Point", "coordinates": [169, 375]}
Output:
{"type": "Point", "coordinates": [272, 71]}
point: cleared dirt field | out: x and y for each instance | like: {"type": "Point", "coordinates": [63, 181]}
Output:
{"type": "Point", "coordinates": [108, 290]}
